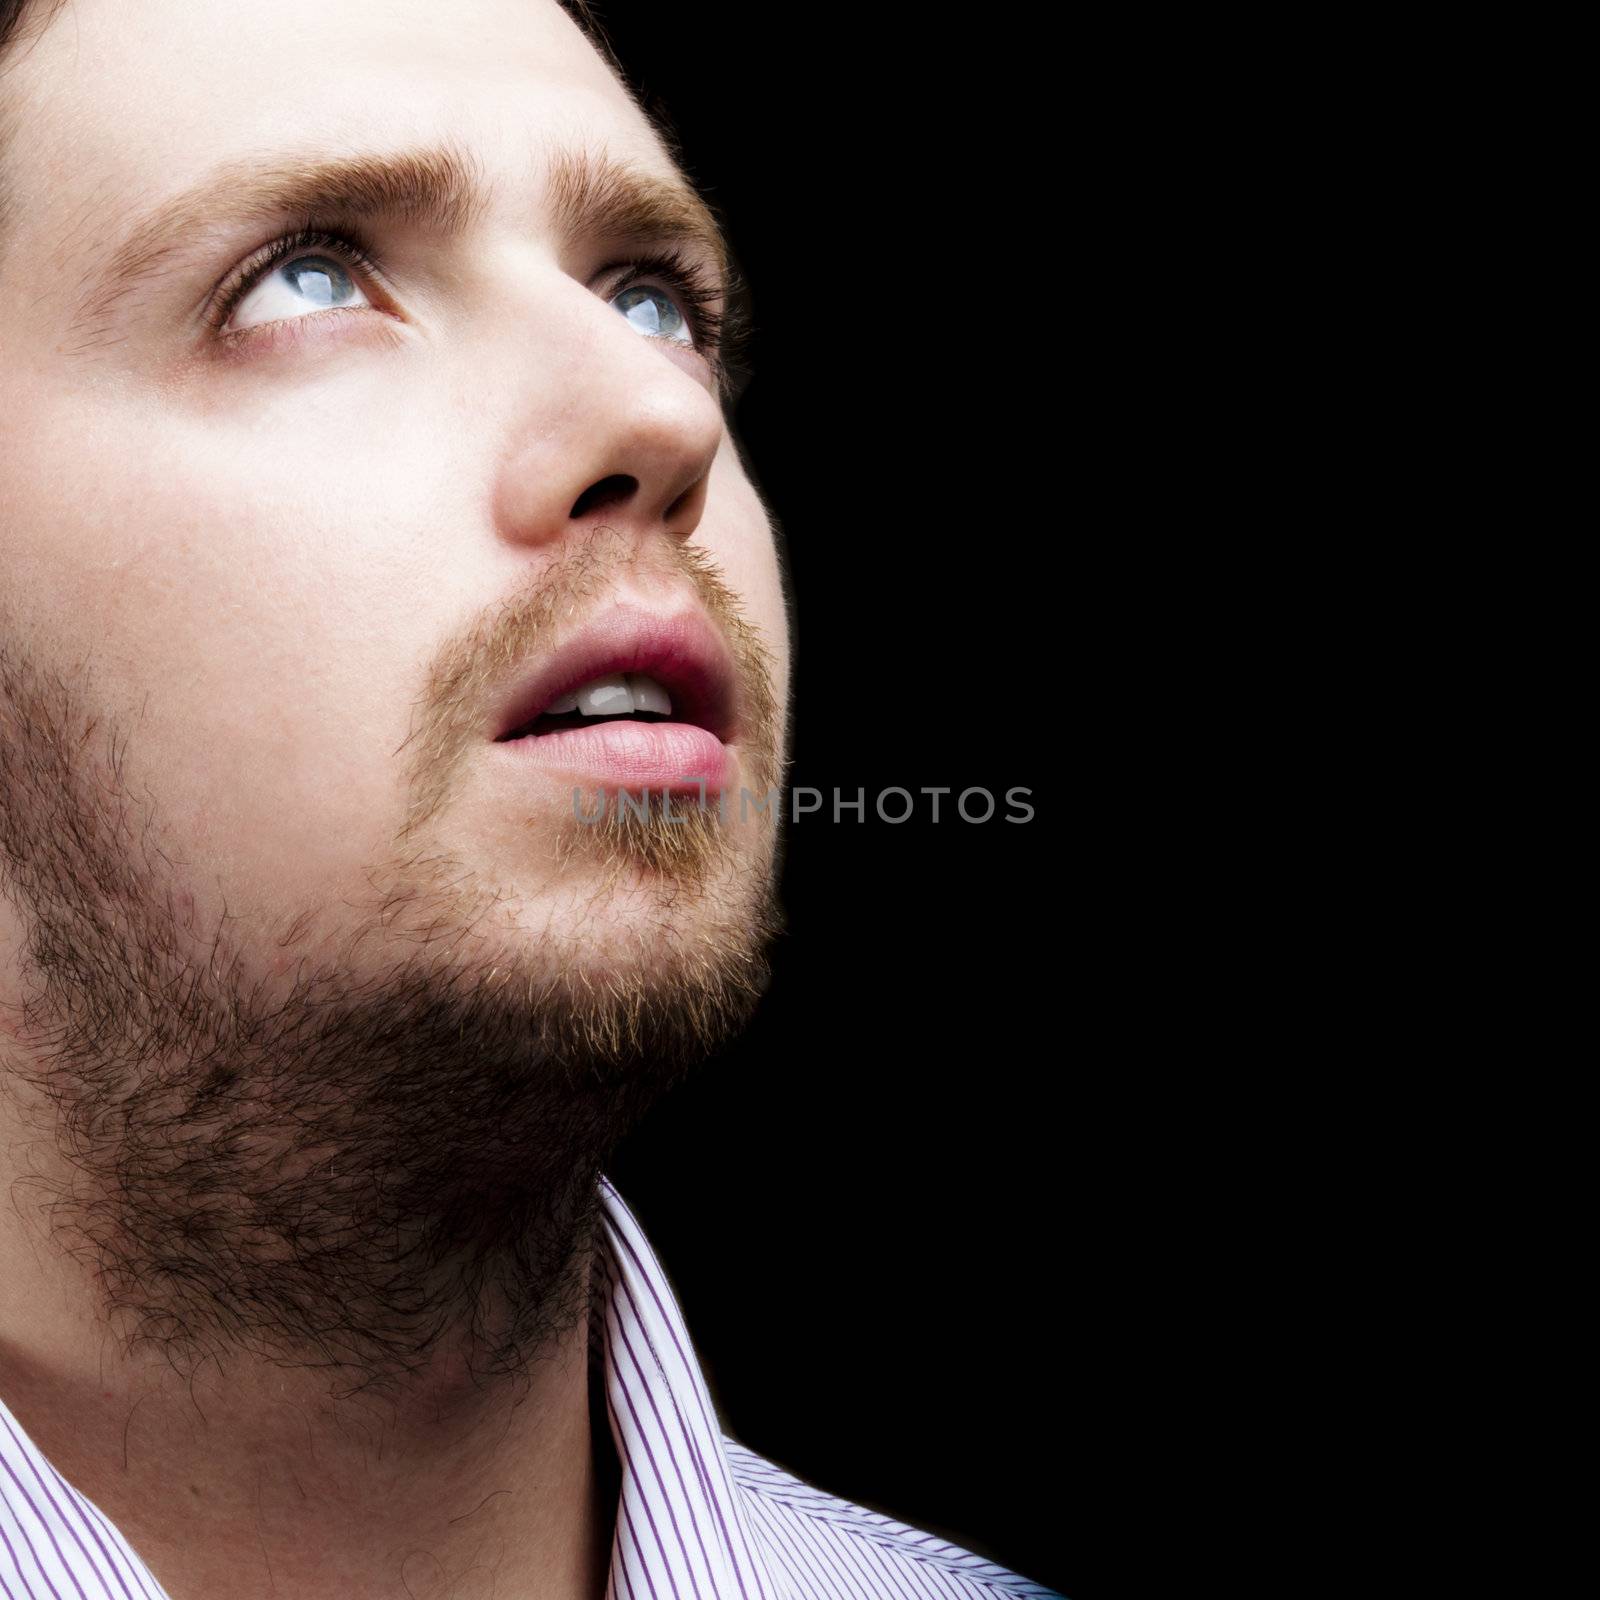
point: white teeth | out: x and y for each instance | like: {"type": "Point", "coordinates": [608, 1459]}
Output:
{"type": "Point", "coordinates": [615, 695]}
{"type": "Point", "coordinates": [648, 695]}
{"type": "Point", "coordinates": [606, 697]}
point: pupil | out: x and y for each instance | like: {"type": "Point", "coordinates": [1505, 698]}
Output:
{"type": "Point", "coordinates": [643, 306]}
{"type": "Point", "coordinates": [314, 279]}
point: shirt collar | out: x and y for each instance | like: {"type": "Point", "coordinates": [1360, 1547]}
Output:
{"type": "Point", "coordinates": [682, 1529]}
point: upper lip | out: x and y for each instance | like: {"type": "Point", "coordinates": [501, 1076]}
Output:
{"type": "Point", "coordinates": [682, 651]}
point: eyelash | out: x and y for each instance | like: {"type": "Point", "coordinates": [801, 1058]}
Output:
{"type": "Point", "coordinates": [715, 333]}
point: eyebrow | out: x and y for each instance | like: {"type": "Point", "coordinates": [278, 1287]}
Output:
{"type": "Point", "coordinates": [440, 187]}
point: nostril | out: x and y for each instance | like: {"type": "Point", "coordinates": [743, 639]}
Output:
{"type": "Point", "coordinates": [681, 506]}
{"type": "Point", "coordinates": [612, 491]}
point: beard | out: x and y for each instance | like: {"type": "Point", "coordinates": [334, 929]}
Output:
{"type": "Point", "coordinates": [364, 1143]}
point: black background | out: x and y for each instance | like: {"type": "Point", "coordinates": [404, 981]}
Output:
{"type": "Point", "coordinates": [907, 1214]}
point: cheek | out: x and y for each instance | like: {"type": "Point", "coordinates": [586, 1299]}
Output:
{"type": "Point", "coordinates": [253, 617]}
{"type": "Point", "coordinates": [738, 533]}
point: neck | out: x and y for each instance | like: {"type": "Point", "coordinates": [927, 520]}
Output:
{"type": "Point", "coordinates": [253, 1479]}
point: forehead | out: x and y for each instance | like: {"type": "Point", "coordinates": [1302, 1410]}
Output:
{"type": "Point", "coordinates": [118, 106]}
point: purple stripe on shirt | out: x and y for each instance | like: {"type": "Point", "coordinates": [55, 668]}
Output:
{"type": "Point", "coordinates": [666, 1561]}
{"type": "Point", "coordinates": [649, 1394]}
{"type": "Point", "coordinates": [781, 1534]}
{"type": "Point", "coordinates": [78, 1505]}
{"type": "Point", "coordinates": [32, 1551]}
{"type": "Point", "coordinates": [644, 1566]}
{"type": "Point", "coordinates": [130, 1560]}
{"type": "Point", "coordinates": [672, 1328]}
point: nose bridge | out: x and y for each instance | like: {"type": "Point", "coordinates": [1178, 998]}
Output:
{"type": "Point", "coordinates": [610, 426]}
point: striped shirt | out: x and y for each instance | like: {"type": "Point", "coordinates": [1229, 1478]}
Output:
{"type": "Point", "coordinates": [699, 1516]}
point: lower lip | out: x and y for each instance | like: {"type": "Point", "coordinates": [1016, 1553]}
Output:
{"type": "Point", "coordinates": [674, 756]}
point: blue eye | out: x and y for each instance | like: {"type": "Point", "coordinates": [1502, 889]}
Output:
{"type": "Point", "coordinates": [307, 283]}
{"type": "Point", "coordinates": [667, 294]}
{"type": "Point", "coordinates": [653, 311]}
{"type": "Point", "coordinates": [684, 304]}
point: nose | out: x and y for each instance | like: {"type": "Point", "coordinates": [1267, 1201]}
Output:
{"type": "Point", "coordinates": [616, 428]}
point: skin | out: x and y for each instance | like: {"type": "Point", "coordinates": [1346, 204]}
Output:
{"type": "Point", "coordinates": [316, 1015]}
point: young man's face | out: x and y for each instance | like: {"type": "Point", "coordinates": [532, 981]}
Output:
{"type": "Point", "coordinates": [331, 1001]}
{"type": "Point", "coordinates": [306, 570]}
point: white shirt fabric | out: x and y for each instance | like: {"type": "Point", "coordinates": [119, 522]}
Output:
{"type": "Point", "coordinates": [699, 1516]}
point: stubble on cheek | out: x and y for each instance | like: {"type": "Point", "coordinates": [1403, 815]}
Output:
{"type": "Point", "coordinates": [368, 1132]}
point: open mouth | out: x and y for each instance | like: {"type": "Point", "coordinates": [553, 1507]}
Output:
{"type": "Point", "coordinates": [635, 700]}
{"type": "Point", "coordinates": [613, 697]}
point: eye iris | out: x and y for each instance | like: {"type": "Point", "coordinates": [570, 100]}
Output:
{"type": "Point", "coordinates": [316, 278]}
{"type": "Point", "coordinates": [644, 306]}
